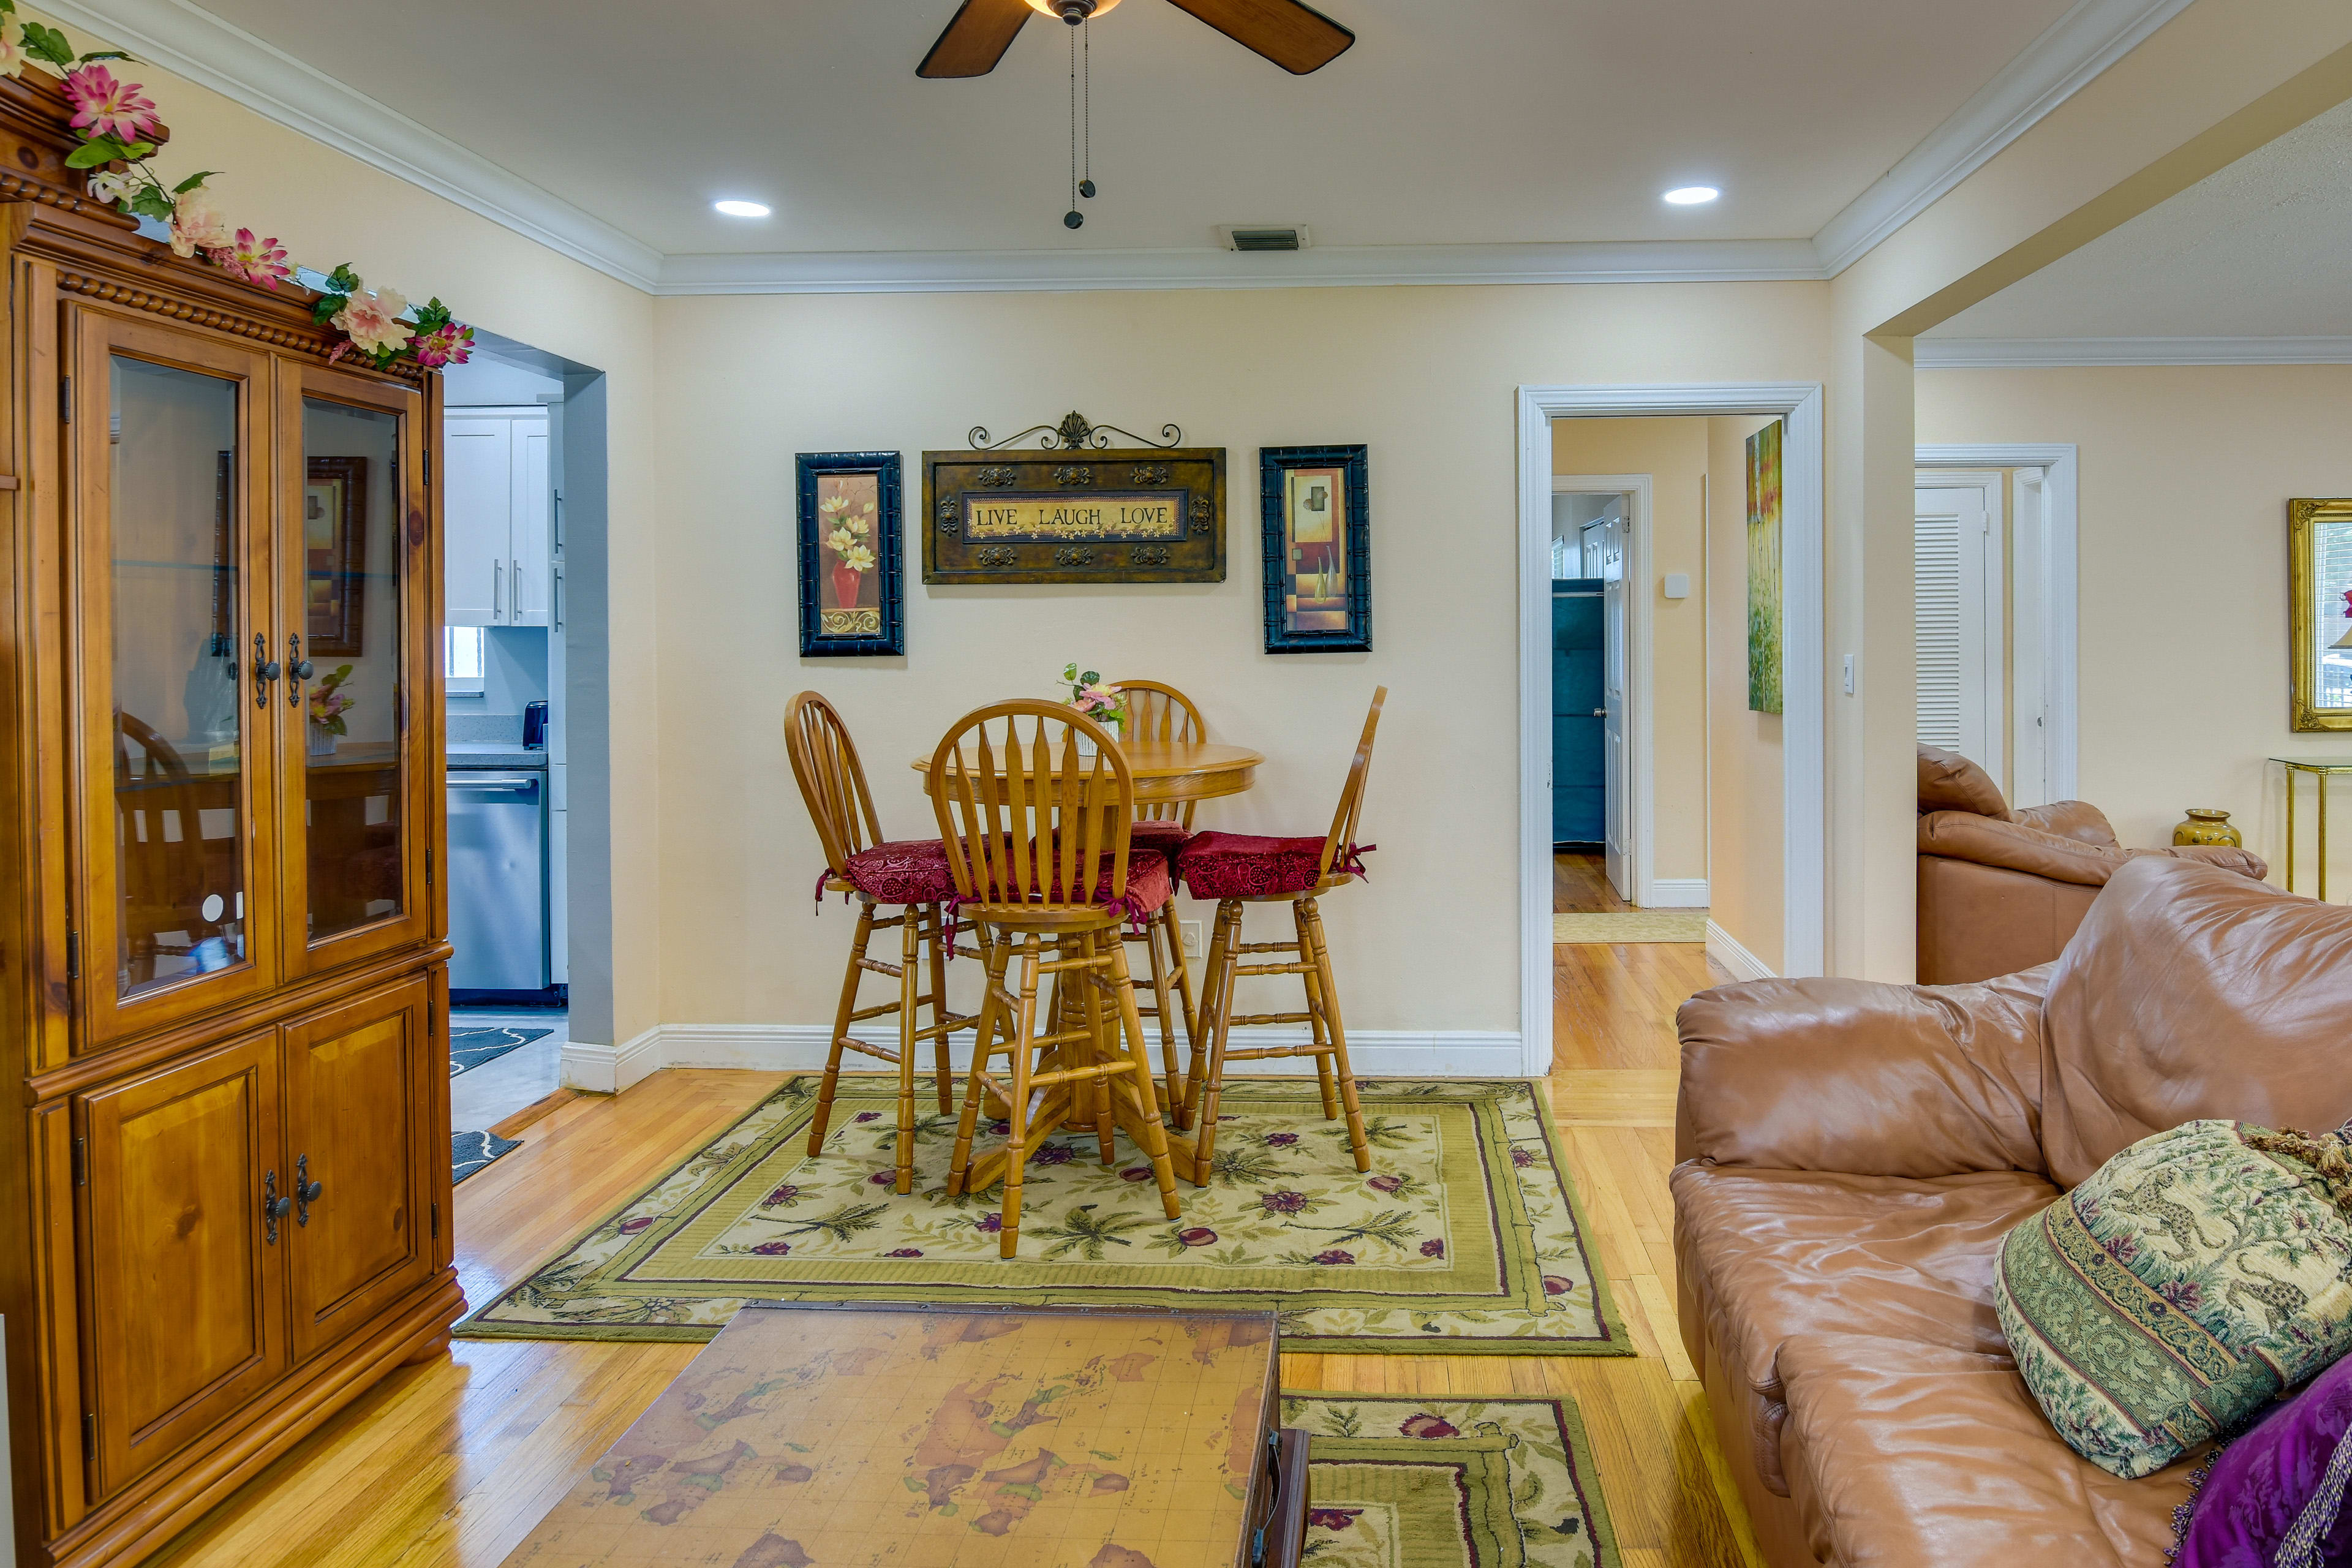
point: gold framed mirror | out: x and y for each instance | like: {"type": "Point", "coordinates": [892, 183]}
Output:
{"type": "Point", "coordinates": [2319, 613]}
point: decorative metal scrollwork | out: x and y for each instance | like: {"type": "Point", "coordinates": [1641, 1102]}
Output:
{"type": "Point", "coordinates": [994, 557]}
{"type": "Point", "coordinates": [1150, 555]}
{"type": "Point", "coordinates": [1074, 434]}
{"type": "Point", "coordinates": [1074, 555]}
{"type": "Point", "coordinates": [1149, 474]}
{"type": "Point", "coordinates": [996, 477]}
{"type": "Point", "coordinates": [1067, 477]}
{"type": "Point", "coordinates": [948, 514]}
{"type": "Point", "coordinates": [1203, 516]}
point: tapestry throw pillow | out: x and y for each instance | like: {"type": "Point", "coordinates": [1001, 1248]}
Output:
{"type": "Point", "coordinates": [2180, 1288]}
{"type": "Point", "coordinates": [2282, 1479]}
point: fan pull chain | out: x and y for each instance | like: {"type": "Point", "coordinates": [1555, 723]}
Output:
{"type": "Point", "coordinates": [1086, 99]}
{"type": "Point", "coordinates": [1074, 217]}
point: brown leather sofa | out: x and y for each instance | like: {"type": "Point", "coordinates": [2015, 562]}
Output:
{"type": "Point", "coordinates": [1853, 1153]}
{"type": "Point", "coordinates": [2002, 890]}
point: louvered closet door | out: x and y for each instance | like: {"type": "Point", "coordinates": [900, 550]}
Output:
{"type": "Point", "coordinates": [1959, 652]}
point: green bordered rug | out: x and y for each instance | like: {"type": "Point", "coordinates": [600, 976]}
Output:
{"type": "Point", "coordinates": [1463, 1237]}
{"type": "Point", "coordinates": [1419, 1483]}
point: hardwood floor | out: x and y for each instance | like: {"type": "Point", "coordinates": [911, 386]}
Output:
{"type": "Point", "coordinates": [453, 1461]}
{"type": "Point", "coordinates": [1579, 886]}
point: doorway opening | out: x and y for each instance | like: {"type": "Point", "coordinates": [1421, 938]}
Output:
{"type": "Point", "coordinates": [528, 878]}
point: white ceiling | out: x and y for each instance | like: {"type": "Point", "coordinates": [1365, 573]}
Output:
{"type": "Point", "coordinates": [1496, 122]}
{"type": "Point", "coordinates": [2262, 248]}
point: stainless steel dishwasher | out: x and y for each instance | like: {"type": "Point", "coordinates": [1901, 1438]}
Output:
{"type": "Point", "coordinates": [498, 881]}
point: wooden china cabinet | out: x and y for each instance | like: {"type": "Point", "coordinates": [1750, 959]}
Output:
{"type": "Point", "coordinates": [224, 1190]}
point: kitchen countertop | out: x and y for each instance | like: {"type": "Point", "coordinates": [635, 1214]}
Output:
{"type": "Point", "coordinates": [493, 754]}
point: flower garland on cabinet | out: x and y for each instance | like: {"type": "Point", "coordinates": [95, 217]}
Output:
{"type": "Point", "coordinates": [115, 122]}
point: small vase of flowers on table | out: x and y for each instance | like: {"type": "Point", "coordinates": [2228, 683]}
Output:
{"type": "Point", "coordinates": [1104, 704]}
{"type": "Point", "coordinates": [328, 702]}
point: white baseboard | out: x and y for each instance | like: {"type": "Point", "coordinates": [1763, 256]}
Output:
{"type": "Point", "coordinates": [1373, 1053]}
{"type": "Point", "coordinates": [1724, 949]}
{"type": "Point", "coordinates": [1677, 893]}
{"type": "Point", "coordinates": [609, 1070]}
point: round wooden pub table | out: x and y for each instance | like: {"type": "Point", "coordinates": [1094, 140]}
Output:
{"type": "Point", "coordinates": [1166, 772]}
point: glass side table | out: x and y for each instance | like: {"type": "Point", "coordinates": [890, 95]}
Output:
{"type": "Point", "coordinates": [2319, 768]}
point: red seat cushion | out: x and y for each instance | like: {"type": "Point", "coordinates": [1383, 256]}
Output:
{"type": "Point", "coordinates": [1150, 884]}
{"type": "Point", "coordinates": [1164, 833]}
{"type": "Point", "coordinates": [1246, 866]}
{"type": "Point", "coordinates": [903, 871]}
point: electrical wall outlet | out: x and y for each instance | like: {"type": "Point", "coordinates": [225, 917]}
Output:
{"type": "Point", "coordinates": [1192, 929]}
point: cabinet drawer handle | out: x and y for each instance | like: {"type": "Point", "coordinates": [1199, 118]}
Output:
{"type": "Point", "coordinates": [273, 1207]}
{"type": "Point", "coordinates": [306, 1191]}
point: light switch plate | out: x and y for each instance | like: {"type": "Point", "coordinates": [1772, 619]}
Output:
{"type": "Point", "coordinates": [1192, 929]}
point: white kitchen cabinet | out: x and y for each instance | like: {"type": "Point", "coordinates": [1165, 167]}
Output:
{"type": "Point", "coordinates": [497, 502]}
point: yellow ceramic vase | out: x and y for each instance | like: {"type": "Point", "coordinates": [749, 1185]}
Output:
{"type": "Point", "coordinates": [2207, 825]}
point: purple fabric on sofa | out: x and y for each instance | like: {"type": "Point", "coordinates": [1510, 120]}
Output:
{"type": "Point", "coordinates": [2273, 1475]}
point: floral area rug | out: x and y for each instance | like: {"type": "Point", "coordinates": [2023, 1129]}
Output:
{"type": "Point", "coordinates": [1407, 1482]}
{"type": "Point", "coordinates": [1463, 1237]}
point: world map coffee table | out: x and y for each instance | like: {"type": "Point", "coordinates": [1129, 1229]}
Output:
{"type": "Point", "coordinates": [843, 1435]}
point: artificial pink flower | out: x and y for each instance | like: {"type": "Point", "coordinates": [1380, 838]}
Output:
{"type": "Point", "coordinates": [452, 342]}
{"type": "Point", "coordinates": [261, 262]}
{"type": "Point", "coordinates": [105, 107]}
{"type": "Point", "coordinates": [372, 320]}
{"type": "Point", "coordinates": [197, 224]}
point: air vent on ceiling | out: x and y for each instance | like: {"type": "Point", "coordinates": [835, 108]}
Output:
{"type": "Point", "coordinates": [1263, 236]}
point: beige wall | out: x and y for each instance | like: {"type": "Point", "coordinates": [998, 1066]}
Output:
{"type": "Point", "coordinates": [1672, 452]}
{"type": "Point", "coordinates": [2186, 474]}
{"type": "Point", "coordinates": [1425, 376]}
{"type": "Point", "coordinates": [1746, 886]}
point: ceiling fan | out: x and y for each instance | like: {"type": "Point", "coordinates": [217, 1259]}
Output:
{"type": "Point", "coordinates": [1294, 37]}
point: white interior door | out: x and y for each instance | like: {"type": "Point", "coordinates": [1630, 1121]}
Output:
{"type": "Point", "coordinates": [1617, 849]}
{"type": "Point", "coordinates": [1961, 618]}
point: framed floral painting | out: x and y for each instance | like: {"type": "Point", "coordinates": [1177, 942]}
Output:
{"type": "Point", "coordinates": [851, 568]}
{"type": "Point", "coordinates": [1317, 517]}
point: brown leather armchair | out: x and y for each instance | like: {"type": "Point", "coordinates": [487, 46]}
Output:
{"type": "Point", "coordinates": [1851, 1155]}
{"type": "Point", "coordinates": [2002, 890]}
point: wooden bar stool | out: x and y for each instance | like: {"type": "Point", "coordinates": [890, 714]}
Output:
{"type": "Point", "coordinates": [1158, 711]}
{"type": "Point", "coordinates": [1038, 840]}
{"type": "Point", "coordinates": [1238, 868]}
{"type": "Point", "coordinates": [911, 874]}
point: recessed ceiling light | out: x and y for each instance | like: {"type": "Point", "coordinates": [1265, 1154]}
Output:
{"type": "Point", "coordinates": [756, 209]}
{"type": "Point", "coordinates": [1692, 195]}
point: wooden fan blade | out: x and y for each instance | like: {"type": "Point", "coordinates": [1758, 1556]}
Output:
{"type": "Point", "coordinates": [1294, 36]}
{"type": "Point", "coordinates": [972, 44]}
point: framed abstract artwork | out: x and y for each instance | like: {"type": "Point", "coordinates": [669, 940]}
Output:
{"type": "Point", "coordinates": [851, 569]}
{"type": "Point", "coordinates": [1764, 570]}
{"type": "Point", "coordinates": [334, 549]}
{"type": "Point", "coordinates": [1317, 514]}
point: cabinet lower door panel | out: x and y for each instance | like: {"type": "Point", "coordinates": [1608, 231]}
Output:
{"type": "Point", "coordinates": [359, 1127]}
{"type": "Point", "coordinates": [185, 1314]}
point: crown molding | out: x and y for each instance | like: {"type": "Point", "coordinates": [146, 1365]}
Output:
{"type": "Point", "coordinates": [1323, 266]}
{"type": "Point", "coordinates": [2073, 50]}
{"type": "Point", "coordinates": [2034, 354]}
{"type": "Point", "coordinates": [218, 55]}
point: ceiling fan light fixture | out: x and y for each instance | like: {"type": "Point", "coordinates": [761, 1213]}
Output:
{"type": "Point", "coordinates": [1691, 195]}
{"type": "Point", "coordinates": [734, 208]}
{"type": "Point", "coordinates": [1072, 11]}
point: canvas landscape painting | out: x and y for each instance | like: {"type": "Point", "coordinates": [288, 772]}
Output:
{"type": "Point", "coordinates": [1764, 570]}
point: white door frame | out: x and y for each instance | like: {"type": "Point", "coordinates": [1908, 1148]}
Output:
{"type": "Point", "coordinates": [1804, 836]}
{"type": "Point", "coordinates": [2044, 569]}
{"type": "Point", "coordinates": [1639, 755]}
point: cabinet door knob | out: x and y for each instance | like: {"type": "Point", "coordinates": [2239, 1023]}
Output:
{"type": "Point", "coordinates": [297, 666]}
{"type": "Point", "coordinates": [273, 1207]}
{"type": "Point", "coordinates": [306, 1191]}
{"type": "Point", "coordinates": [265, 671]}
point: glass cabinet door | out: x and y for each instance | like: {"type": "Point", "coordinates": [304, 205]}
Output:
{"type": "Point", "coordinates": [173, 754]}
{"type": "Point", "coordinates": [353, 611]}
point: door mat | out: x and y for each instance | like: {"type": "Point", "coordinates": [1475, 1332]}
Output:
{"type": "Point", "coordinates": [469, 1049]}
{"type": "Point", "coordinates": [1641, 925]}
{"type": "Point", "coordinates": [1407, 1482]}
{"type": "Point", "coordinates": [1463, 1237]}
{"type": "Point", "coordinates": [469, 1151]}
